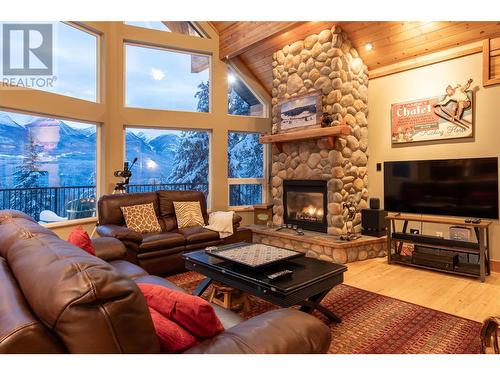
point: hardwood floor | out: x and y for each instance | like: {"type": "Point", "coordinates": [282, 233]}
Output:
{"type": "Point", "coordinates": [462, 296]}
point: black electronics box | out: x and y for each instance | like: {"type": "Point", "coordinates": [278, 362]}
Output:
{"type": "Point", "coordinates": [373, 222]}
{"type": "Point", "coordinates": [444, 262]}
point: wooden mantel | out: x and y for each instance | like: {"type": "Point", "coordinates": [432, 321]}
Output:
{"type": "Point", "coordinates": [300, 135]}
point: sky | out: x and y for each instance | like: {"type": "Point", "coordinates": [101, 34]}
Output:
{"type": "Point", "coordinates": [155, 78]}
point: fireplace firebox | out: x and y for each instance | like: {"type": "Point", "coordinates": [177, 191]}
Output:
{"type": "Point", "coordinates": [305, 204]}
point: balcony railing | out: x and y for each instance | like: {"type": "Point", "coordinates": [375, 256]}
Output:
{"type": "Point", "coordinates": [73, 202]}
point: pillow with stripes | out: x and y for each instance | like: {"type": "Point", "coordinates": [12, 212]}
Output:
{"type": "Point", "coordinates": [188, 214]}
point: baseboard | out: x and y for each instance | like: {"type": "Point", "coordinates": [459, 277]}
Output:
{"type": "Point", "coordinates": [495, 265]}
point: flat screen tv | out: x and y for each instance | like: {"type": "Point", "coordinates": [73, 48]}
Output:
{"type": "Point", "coordinates": [455, 187]}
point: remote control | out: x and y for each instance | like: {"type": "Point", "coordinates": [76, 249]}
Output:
{"type": "Point", "coordinates": [280, 275]}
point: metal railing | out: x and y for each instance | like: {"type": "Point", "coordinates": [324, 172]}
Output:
{"type": "Point", "coordinates": [56, 199]}
{"type": "Point", "coordinates": [73, 202]}
{"type": "Point", "coordinates": [143, 188]}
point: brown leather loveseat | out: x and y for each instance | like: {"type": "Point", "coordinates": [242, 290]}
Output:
{"type": "Point", "coordinates": [56, 298]}
{"type": "Point", "coordinates": [158, 253]}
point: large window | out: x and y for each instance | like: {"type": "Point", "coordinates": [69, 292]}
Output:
{"type": "Point", "coordinates": [241, 100]}
{"type": "Point", "coordinates": [168, 159]}
{"type": "Point", "coordinates": [245, 169]}
{"type": "Point", "coordinates": [180, 27]}
{"type": "Point", "coordinates": [47, 166]}
{"type": "Point", "coordinates": [164, 79]}
{"type": "Point", "coordinates": [62, 59]}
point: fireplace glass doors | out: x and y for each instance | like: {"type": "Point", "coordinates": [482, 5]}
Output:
{"type": "Point", "coordinates": [305, 204]}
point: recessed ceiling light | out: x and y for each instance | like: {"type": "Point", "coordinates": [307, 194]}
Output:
{"type": "Point", "coordinates": [368, 46]}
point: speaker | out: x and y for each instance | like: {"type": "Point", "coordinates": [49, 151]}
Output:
{"type": "Point", "coordinates": [373, 222]}
{"type": "Point", "coordinates": [374, 203]}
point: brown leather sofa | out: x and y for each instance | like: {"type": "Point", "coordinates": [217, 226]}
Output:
{"type": "Point", "coordinates": [56, 298]}
{"type": "Point", "coordinates": [158, 253]}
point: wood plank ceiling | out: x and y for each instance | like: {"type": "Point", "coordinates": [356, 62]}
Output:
{"type": "Point", "coordinates": [393, 42]}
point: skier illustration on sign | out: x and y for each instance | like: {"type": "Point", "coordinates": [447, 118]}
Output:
{"type": "Point", "coordinates": [458, 96]}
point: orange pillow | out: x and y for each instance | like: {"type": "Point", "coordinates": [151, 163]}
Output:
{"type": "Point", "coordinates": [194, 314]}
{"type": "Point", "coordinates": [173, 339]}
{"type": "Point", "coordinates": [80, 238]}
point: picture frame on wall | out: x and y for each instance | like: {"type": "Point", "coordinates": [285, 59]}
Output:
{"type": "Point", "coordinates": [448, 116]}
{"type": "Point", "coordinates": [301, 112]}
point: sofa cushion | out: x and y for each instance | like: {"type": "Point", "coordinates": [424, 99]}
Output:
{"type": "Point", "coordinates": [198, 234]}
{"type": "Point", "coordinates": [188, 214]}
{"type": "Point", "coordinates": [128, 269]}
{"type": "Point", "coordinates": [141, 218]}
{"type": "Point", "coordinates": [166, 199]}
{"type": "Point", "coordinates": [172, 337]}
{"type": "Point", "coordinates": [227, 317]}
{"type": "Point", "coordinates": [161, 241]}
{"type": "Point", "coordinates": [109, 206]}
{"type": "Point", "coordinates": [80, 238]}
{"type": "Point", "coordinates": [20, 331]}
{"type": "Point", "coordinates": [192, 313]}
{"type": "Point", "coordinates": [87, 303]}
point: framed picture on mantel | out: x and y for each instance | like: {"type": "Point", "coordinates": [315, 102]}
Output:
{"type": "Point", "coordinates": [301, 112]}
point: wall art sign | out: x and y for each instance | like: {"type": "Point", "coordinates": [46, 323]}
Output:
{"type": "Point", "coordinates": [301, 112]}
{"type": "Point", "coordinates": [441, 117]}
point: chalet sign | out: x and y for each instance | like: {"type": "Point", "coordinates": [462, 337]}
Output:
{"type": "Point", "coordinates": [435, 118]}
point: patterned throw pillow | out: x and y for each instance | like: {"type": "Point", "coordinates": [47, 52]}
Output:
{"type": "Point", "coordinates": [188, 214]}
{"type": "Point", "coordinates": [141, 218]}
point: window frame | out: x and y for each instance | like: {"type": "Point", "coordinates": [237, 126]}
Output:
{"type": "Point", "coordinates": [166, 128]}
{"type": "Point", "coordinates": [193, 24]}
{"type": "Point", "coordinates": [164, 47]}
{"type": "Point", "coordinates": [263, 181]}
{"type": "Point", "coordinates": [98, 162]}
{"type": "Point", "coordinates": [240, 76]}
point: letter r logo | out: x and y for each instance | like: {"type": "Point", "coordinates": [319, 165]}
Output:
{"type": "Point", "coordinates": [27, 49]}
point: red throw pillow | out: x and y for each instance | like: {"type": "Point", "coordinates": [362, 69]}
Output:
{"type": "Point", "coordinates": [173, 339]}
{"type": "Point", "coordinates": [80, 238]}
{"type": "Point", "coordinates": [194, 314]}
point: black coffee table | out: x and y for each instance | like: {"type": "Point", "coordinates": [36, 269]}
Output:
{"type": "Point", "coordinates": [312, 279]}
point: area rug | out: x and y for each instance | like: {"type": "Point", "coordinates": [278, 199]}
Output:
{"type": "Point", "coordinates": [376, 324]}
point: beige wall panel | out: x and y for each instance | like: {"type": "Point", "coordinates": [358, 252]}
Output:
{"type": "Point", "coordinates": [424, 82]}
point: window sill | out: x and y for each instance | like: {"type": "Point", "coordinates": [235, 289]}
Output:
{"type": "Point", "coordinates": [70, 223]}
{"type": "Point", "coordinates": [241, 209]}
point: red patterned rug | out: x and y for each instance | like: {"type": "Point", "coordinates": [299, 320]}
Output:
{"type": "Point", "coordinates": [375, 324]}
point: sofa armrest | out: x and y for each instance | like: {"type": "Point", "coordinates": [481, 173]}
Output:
{"type": "Point", "coordinates": [120, 233]}
{"type": "Point", "coordinates": [283, 331]}
{"type": "Point", "coordinates": [236, 220]}
{"type": "Point", "coordinates": [109, 248]}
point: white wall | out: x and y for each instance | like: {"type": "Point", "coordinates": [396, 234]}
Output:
{"type": "Point", "coordinates": [426, 82]}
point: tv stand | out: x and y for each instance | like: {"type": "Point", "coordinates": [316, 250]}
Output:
{"type": "Point", "coordinates": [479, 247]}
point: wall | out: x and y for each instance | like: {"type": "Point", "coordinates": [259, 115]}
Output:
{"type": "Point", "coordinates": [424, 82]}
{"type": "Point", "coordinates": [325, 63]}
{"type": "Point", "coordinates": [113, 116]}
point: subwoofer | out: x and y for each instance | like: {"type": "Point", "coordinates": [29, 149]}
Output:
{"type": "Point", "coordinates": [373, 222]}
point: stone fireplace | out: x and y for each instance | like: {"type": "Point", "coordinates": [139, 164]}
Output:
{"type": "Point", "coordinates": [324, 62]}
{"type": "Point", "coordinates": [305, 204]}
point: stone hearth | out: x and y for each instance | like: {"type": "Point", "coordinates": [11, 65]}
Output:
{"type": "Point", "coordinates": [322, 246]}
{"type": "Point", "coordinates": [328, 63]}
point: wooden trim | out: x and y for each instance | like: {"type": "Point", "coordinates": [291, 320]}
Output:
{"type": "Point", "coordinates": [430, 59]}
{"type": "Point", "coordinates": [490, 49]}
{"type": "Point", "coordinates": [437, 220]}
{"type": "Point", "coordinates": [495, 265]}
{"type": "Point", "coordinates": [306, 134]}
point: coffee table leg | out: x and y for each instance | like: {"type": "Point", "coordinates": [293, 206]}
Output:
{"type": "Point", "coordinates": [313, 303]}
{"type": "Point", "coordinates": [202, 286]}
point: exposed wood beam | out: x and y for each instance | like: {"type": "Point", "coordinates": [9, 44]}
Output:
{"type": "Point", "coordinates": [242, 36]}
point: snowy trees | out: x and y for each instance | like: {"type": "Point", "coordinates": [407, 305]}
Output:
{"type": "Point", "coordinates": [28, 175]}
